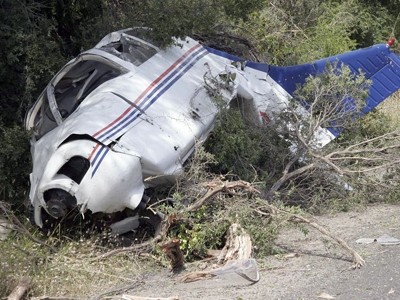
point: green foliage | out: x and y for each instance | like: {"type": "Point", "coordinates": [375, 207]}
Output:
{"type": "Point", "coordinates": [279, 27]}
{"type": "Point", "coordinates": [171, 18]}
{"type": "Point", "coordinates": [240, 9]}
{"type": "Point", "coordinates": [333, 99]}
{"type": "Point", "coordinates": [374, 124]}
{"type": "Point", "coordinates": [291, 32]}
{"type": "Point", "coordinates": [244, 150]}
{"type": "Point", "coordinates": [262, 230]}
{"type": "Point", "coordinates": [15, 164]}
{"type": "Point", "coordinates": [206, 230]}
{"type": "Point", "coordinates": [234, 147]}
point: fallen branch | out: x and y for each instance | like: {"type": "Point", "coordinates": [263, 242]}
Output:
{"type": "Point", "coordinates": [235, 255]}
{"type": "Point", "coordinates": [215, 187]}
{"type": "Point", "coordinates": [20, 289]}
{"type": "Point", "coordinates": [358, 261]}
{"type": "Point", "coordinates": [18, 226]}
{"type": "Point", "coordinates": [135, 248]}
{"type": "Point", "coordinates": [218, 186]}
{"type": "Point", "coordinates": [173, 252]}
{"type": "Point", "coordinates": [148, 245]}
{"type": "Point", "coordinates": [117, 290]}
{"type": "Point", "coordinates": [238, 267]}
{"type": "Point", "coordinates": [238, 245]}
{"type": "Point", "coordinates": [196, 276]}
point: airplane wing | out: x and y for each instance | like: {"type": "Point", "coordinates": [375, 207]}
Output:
{"type": "Point", "coordinates": [378, 63]}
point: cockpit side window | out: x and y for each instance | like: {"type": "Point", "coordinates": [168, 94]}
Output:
{"type": "Point", "coordinates": [79, 82]}
{"type": "Point", "coordinates": [44, 120]}
{"type": "Point", "coordinates": [68, 89]}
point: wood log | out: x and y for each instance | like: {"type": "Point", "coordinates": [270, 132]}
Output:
{"type": "Point", "coordinates": [238, 248]}
{"type": "Point", "coordinates": [238, 244]}
{"type": "Point", "coordinates": [23, 285]}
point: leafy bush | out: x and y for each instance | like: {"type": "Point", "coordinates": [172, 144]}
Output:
{"type": "Point", "coordinates": [244, 150]}
{"type": "Point", "coordinates": [15, 165]}
{"type": "Point", "coordinates": [292, 32]}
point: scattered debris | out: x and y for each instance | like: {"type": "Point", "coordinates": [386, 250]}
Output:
{"type": "Point", "coordinates": [325, 296]}
{"type": "Point", "coordinates": [358, 261]}
{"type": "Point", "coordinates": [383, 240]}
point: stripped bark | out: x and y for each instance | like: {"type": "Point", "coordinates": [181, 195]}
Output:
{"type": "Point", "coordinates": [238, 245]}
{"type": "Point", "coordinates": [19, 291]}
{"type": "Point", "coordinates": [238, 248]}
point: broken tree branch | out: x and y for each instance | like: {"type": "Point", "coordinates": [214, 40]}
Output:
{"type": "Point", "coordinates": [18, 226]}
{"type": "Point", "coordinates": [218, 186]}
{"type": "Point", "coordinates": [238, 245]}
{"type": "Point", "coordinates": [358, 261]}
{"type": "Point", "coordinates": [173, 252]}
{"type": "Point", "coordinates": [215, 187]}
{"type": "Point", "coordinates": [19, 291]}
{"type": "Point", "coordinates": [235, 256]}
{"type": "Point", "coordinates": [137, 247]}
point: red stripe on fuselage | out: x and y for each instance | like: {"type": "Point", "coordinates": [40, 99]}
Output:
{"type": "Point", "coordinates": [159, 78]}
{"type": "Point", "coordinates": [94, 150]}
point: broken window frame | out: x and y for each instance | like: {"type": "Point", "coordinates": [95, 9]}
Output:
{"type": "Point", "coordinates": [48, 100]}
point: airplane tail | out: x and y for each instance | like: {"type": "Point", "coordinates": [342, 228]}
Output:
{"type": "Point", "coordinates": [378, 63]}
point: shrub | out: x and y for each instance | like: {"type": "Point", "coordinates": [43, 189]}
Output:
{"type": "Point", "coordinates": [15, 164]}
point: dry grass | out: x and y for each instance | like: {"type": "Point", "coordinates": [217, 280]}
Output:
{"type": "Point", "coordinates": [391, 107]}
{"type": "Point", "coordinates": [69, 272]}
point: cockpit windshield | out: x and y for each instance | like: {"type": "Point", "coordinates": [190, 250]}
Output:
{"type": "Point", "coordinates": [76, 80]}
{"type": "Point", "coordinates": [68, 89]}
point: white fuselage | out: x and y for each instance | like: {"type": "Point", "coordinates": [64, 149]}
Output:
{"type": "Point", "coordinates": [137, 128]}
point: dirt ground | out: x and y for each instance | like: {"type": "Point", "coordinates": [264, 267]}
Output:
{"type": "Point", "coordinates": [312, 267]}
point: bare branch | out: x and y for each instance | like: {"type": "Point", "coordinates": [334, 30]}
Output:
{"type": "Point", "coordinates": [357, 259]}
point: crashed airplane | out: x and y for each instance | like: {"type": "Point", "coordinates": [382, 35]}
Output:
{"type": "Point", "coordinates": [125, 116]}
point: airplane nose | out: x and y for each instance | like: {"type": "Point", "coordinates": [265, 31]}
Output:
{"type": "Point", "coordinates": [56, 208]}
{"type": "Point", "coordinates": [59, 202]}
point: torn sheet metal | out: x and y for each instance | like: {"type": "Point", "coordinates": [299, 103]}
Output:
{"type": "Point", "coordinates": [385, 240]}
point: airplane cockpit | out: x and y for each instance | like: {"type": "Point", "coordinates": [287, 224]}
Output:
{"type": "Point", "coordinates": [115, 55]}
